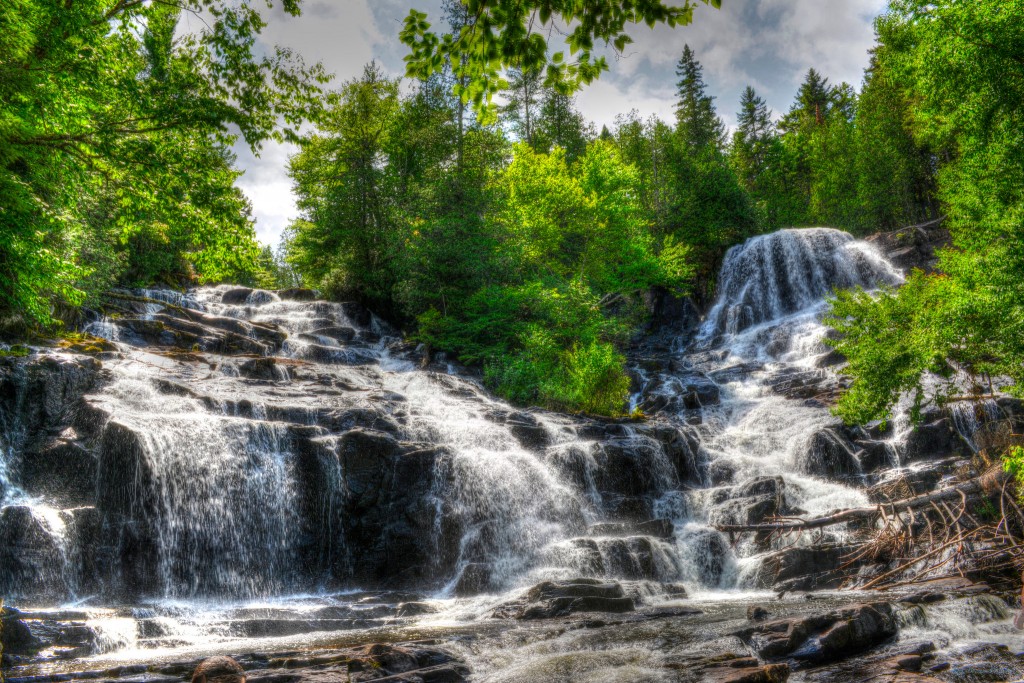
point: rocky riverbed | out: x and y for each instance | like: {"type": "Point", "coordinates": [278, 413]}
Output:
{"type": "Point", "coordinates": [289, 482]}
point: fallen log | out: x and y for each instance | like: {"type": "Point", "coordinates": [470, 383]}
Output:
{"type": "Point", "coordinates": [993, 478]}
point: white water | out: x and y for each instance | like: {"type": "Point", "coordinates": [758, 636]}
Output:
{"type": "Point", "coordinates": [223, 464]}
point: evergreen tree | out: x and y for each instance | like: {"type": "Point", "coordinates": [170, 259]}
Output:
{"type": "Point", "coordinates": [895, 174]}
{"type": "Point", "coordinates": [697, 123]}
{"type": "Point", "coordinates": [346, 239]}
{"type": "Point", "coordinates": [558, 123]}
{"type": "Point", "coordinates": [752, 140]}
{"type": "Point", "coordinates": [521, 108]}
{"type": "Point", "coordinates": [814, 102]}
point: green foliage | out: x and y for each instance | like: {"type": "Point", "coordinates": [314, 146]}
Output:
{"type": "Point", "coordinates": [512, 33]}
{"type": "Point", "coordinates": [698, 124]}
{"type": "Point", "coordinates": [1013, 463]}
{"type": "Point", "coordinates": [966, 89]}
{"type": "Point", "coordinates": [113, 139]}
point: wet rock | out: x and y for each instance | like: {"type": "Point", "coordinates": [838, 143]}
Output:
{"type": "Point", "coordinates": [934, 441]}
{"type": "Point", "coordinates": [682, 448]}
{"type": "Point", "coordinates": [368, 510]}
{"type": "Point", "coordinates": [64, 472]}
{"type": "Point", "coordinates": [709, 553]}
{"type": "Point", "coordinates": [528, 430]}
{"type": "Point", "coordinates": [751, 502]}
{"type": "Point", "coordinates": [830, 455]}
{"type": "Point", "coordinates": [825, 637]}
{"type": "Point", "coordinates": [333, 355]}
{"type": "Point", "coordinates": [563, 598]}
{"type": "Point", "coordinates": [657, 528]}
{"type": "Point", "coordinates": [357, 313]}
{"type": "Point", "coordinates": [265, 369]}
{"type": "Point", "coordinates": [31, 561]}
{"type": "Point", "coordinates": [921, 478]}
{"type": "Point", "coordinates": [236, 296]}
{"type": "Point", "coordinates": [805, 568]}
{"type": "Point", "coordinates": [629, 509]}
{"type": "Point", "coordinates": [874, 455]}
{"type": "Point", "coordinates": [627, 466]}
{"type": "Point", "coordinates": [339, 334]}
{"type": "Point", "coordinates": [296, 294]}
{"type": "Point", "coordinates": [476, 578]}
{"type": "Point", "coordinates": [913, 246]}
{"type": "Point", "coordinates": [757, 613]}
{"type": "Point", "coordinates": [219, 670]}
{"type": "Point", "coordinates": [41, 394]}
{"type": "Point", "coordinates": [721, 472]}
{"type": "Point", "coordinates": [735, 373]}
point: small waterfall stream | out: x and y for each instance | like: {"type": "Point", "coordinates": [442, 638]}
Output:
{"type": "Point", "coordinates": [297, 465]}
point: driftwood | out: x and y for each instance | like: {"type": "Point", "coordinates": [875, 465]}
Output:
{"type": "Point", "coordinates": [989, 480]}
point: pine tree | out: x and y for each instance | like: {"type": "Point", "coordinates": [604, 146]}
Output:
{"type": "Point", "coordinates": [524, 89]}
{"type": "Point", "coordinates": [814, 102]}
{"type": "Point", "coordinates": [752, 140]}
{"type": "Point", "coordinates": [698, 124]}
{"type": "Point", "coordinates": [559, 123]}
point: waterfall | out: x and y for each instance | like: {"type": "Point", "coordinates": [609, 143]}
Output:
{"type": "Point", "coordinates": [252, 444]}
{"type": "Point", "coordinates": [772, 276]}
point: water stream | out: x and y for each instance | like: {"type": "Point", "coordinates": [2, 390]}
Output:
{"type": "Point", "coordinates": [326, 492]}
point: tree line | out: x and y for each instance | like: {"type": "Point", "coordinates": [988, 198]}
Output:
{"type": "Point", "coordinates": [524, 243]}
{"type": "Point", "coordinates": [511, 235]}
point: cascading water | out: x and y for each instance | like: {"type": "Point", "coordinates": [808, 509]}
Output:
{"type": "Point", "coordinates": [260, 459]}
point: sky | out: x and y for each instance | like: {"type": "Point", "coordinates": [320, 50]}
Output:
{"type": "Point", "coordinates": [769, 44]}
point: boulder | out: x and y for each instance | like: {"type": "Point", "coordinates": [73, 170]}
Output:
{"type": "Point", "coordinates": [219, 670]}
{"type": "Point", "coordinates": [266, 369]}
{"type": "Point", "coordinates": [236, 296]}
{"type": "Point", "coordinates": [528, 430]}
{"type": "Point", "coordinates": [563, 598]}
{"type": "Point", "coordinates": [823, 638]}
{"type": "Point", "coordinates": [830, 455]}
{"type": "Point", "coordinates": [296, 294]}
{"type": "Point", "coordinates": [934, 441]}
{"type": "Point", "coordinates": [627, 466]}
{"type": "Point", "coordinates": [751, 502]}
{"type": "Point", "coordinates": [814, 567]}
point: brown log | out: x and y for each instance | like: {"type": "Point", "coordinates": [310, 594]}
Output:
{"type": "Point", "coordinates": [972, 486]}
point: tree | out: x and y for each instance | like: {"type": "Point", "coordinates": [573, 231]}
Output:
{"type": "Point", "coordinates": [752, 140]}
{"type": "Point", "coordinates": [523, 99]}
{"type": "Point", "coordinates": [512, 33]}
{"type": "Point", "coordinates": [958, 66]}
{"type": "Point", "coordinates": [895, 173]}
{"type": "Point", "coordinates": [815, 101]}
{"type": "Point", "coordinates": [696, 121]}
{"type": "Point", "coordinates": [346, 239]}
{"type": "Point", "coordinates": [113, 143]}
{"type": "Point", "coordinates": [560, 124]}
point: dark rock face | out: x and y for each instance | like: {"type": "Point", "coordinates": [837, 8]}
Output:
{"type": "Point", "coordinates": [831, 455]}
{"type": "Point", "coordinates": [751, 502]}
{"type": "Point", "coordinates": [627, 466]}
{"type": "Point", "coordinates": [376, 491]}
{"type": "Point", "coordinates": [823, 638]}
{"type": "Point", "coordinates": [913, 247]}
{"type": "Point", "coordinates": [563, 598]}
{"type": "Point", "coordinates": [805, 568]}
{"type": "Point", "coordinates": [30, 554]}
{"type": "Point", "coordinates": [934, 441]}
